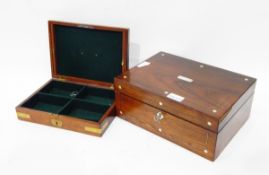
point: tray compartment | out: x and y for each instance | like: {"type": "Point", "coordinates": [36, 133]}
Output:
{"type": "Point", "coordinates": [45, 103]}
{"type": "Point", "coordinates": [97, 96]}
{"type": "Point", "coordinates": [84, 110]}
{"type": "Point", "coordinates": [62, 89]}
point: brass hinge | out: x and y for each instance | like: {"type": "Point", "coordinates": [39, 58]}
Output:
{"type": "Point", "coordinates": [60, 78]}
{"type": "Point", "coordinates": [85, 26]}
{"type": "Point", "coordinates": [23, 115]}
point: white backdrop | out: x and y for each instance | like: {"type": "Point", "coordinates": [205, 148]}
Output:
{"type": "Point", "coordinates": [231, 34]}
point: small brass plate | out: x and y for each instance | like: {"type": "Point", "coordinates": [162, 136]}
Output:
{"type": "Point", "coordinates": [23, 115]}
{"type": "Point", "coordinates": [56, 123]}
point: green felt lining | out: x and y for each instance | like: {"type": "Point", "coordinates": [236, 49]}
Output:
{"type": "Point", "coordinates": [85, 110]}
{"type": "Point", "coordinates": [45, 103]}
{"type": "Point", "coordinates": [99, 96]}
{"type": "Point", "coordinates": [90, 103]}
{"type": "Point", "coordinates": [88, 53]}
{"type": "Point", "coordinates": [62, 89]}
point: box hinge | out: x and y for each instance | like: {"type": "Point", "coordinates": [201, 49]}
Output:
{"type": "Point", "coordinates": [60, 79]}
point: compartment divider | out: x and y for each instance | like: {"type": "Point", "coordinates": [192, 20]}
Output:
{"type": "Point", "coordinates": [81, 90]}
{"type": "Point", "coordinates": [70, 99]}
{"type": "Point", "coordinates": [62, 96]}
{"type": "Point", "coordinates": [64, 106]}
{"type": "Point", "coordinates": [54, 95]}
{"type": "Point", "coordinates": [83, 110]}
{"type": "Point", "coordinates": [90, 102]}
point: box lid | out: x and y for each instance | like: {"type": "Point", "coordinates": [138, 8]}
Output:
{"type": "Point", "coordinates": [196, 92]}
{"type": "Point", "coordinates": [88, 54]}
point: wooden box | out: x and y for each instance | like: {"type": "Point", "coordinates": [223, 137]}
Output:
{"type": "Point", "coordinates": [84, 61]}
{"type": "Point", "coordinates": [195, 105]}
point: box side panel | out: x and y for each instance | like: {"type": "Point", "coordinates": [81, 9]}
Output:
{"type": "Point", "coordinates": [183, 133]}
{"type": "Point", "coordinates": [63, 122]}
{"type": "Point", "coordinates": [237, 106]}
{"type": "Point", "coordinates": [232, 126]}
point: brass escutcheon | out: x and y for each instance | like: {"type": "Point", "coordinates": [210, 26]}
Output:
{"type": "Point", "coordinates": [56, 123]}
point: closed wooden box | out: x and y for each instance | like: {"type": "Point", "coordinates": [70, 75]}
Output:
{"type": "Point", "coordinates": [194, 105]}
{"type": "Point", "coordinates": [80, 95]}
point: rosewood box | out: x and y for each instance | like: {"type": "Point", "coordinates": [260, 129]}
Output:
{"type": "Point", "coordinates": [197, 106]}
{"type": "Point", "coordinates": [84, 61]}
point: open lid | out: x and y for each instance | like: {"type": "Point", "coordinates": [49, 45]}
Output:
{"type": "Point", "coordinates": [87, 53]}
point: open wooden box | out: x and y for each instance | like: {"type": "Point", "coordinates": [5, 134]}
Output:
{"type": "Point", "coordinates": [84, 61]}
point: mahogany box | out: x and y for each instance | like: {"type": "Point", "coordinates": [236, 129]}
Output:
{"type": "Point", "coordinates": [197, 106]}
{"type": "Point", "coordinates": [80, 95]}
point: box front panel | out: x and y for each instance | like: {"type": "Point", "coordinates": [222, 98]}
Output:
{"type": "Point", "coordinates": [183, 133]}
{"type": "Point", "coordinates": [166, 104]}
{"type": "Point", "coordinates": [64, 122]}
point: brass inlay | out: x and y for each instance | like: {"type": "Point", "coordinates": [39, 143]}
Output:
{"type": "Point", "coordinates": [122, 63]}
{"type": "Point", "coordinates": [23, 115]}
{"type": "Point", "coordinates": [119, 87]}
{"type": "Point", "coordinates": [96, 130]}
{"type": "Point", "coordinates": [56, 123]}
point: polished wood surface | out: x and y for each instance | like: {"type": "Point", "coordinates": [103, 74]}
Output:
{"type": "Point", "coordinates": [125, 47]}
{"type": "Point", "coordinates": [168, 105]}
{"type": "Point", "coordinates": [233, 126]}
{"type": "Point", "coordinates": [216, 102]}
{"type": "Point", "coordinates": [190, 136]}
{"type": "Point", "coordinates": [69, 122]}
{"type": "Point", "coordinates": [209, 98]}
